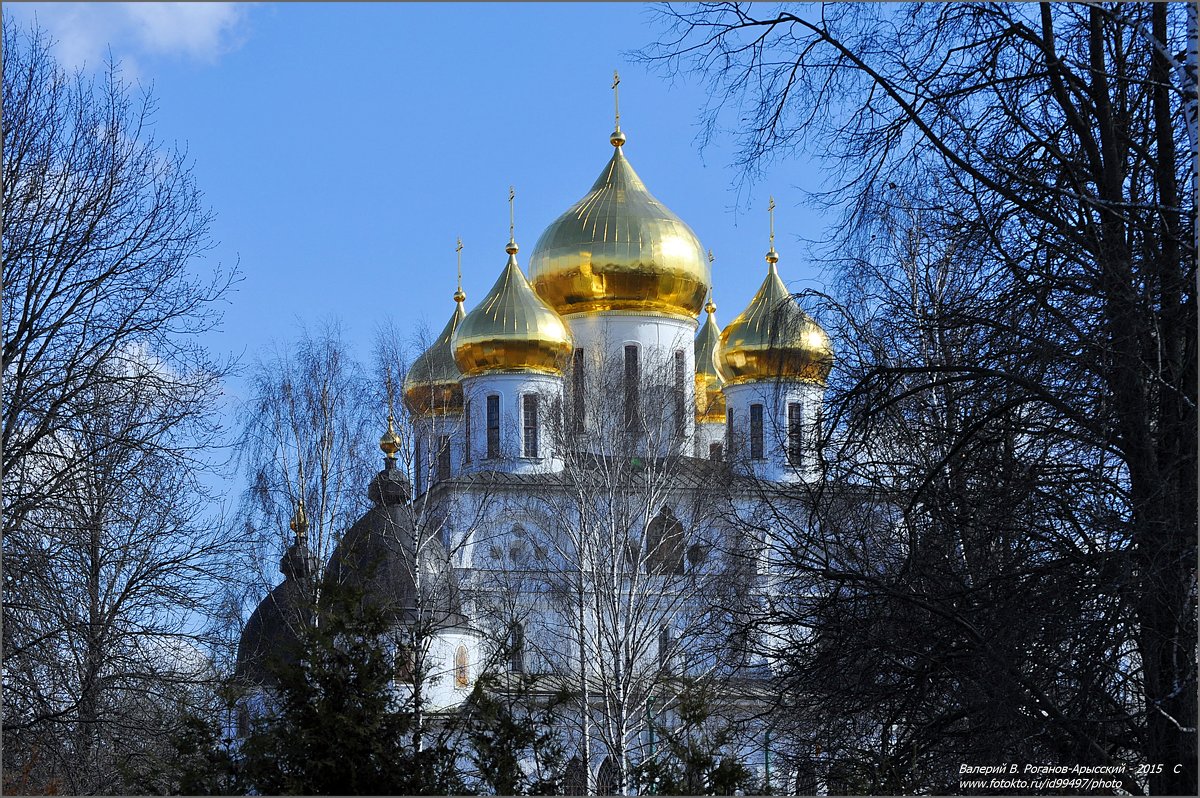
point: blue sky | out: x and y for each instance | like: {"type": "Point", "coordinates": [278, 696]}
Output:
{"type": "Point", "coordinates": [344, 147]}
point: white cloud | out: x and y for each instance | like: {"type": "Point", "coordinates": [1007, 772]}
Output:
{"type": "Point", "coordinates": [136, 32]}
{"type": "Point", "coordinates": [202, 31]}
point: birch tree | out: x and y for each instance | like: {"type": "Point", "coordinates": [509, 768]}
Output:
{"type": "Point", "coordinates": [1050, 143]}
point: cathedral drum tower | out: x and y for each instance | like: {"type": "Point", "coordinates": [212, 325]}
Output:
{"type": "Point", "coordinates": [630, 278]}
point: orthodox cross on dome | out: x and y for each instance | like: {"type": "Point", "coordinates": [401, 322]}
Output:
{"type": "Point", "coordinates": [709, 306]}
{"type": "Point", "coordinates": [617, 138]}
{"type": "Point", "coordinates": [616, 99]}
{"type": "Point", "coordinates": [299, 523]}
{"type": "Point", "coordinates": [459, 296]}
{"type": "Point", "coordinates": [772, 255]}
{"type": "Point", "coordinates": [771, 213]}
{"type": "Point", "coordinates": [512, 248]}
{"type": "Point", "coordinates": [390, 442]}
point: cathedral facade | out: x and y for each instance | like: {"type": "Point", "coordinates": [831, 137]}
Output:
{"type": "Point", "coordinates": [587, 447]}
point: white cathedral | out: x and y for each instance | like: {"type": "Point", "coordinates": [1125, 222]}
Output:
{"type": "Point", "coordinates": [552, 515]}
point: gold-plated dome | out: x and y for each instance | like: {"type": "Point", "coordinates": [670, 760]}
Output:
{"type": "Point", "coordinates": [389, 442]}
{"type": "Point", "coordinates": [433, 383]}
{"type": "Point", "coordinates": [512, 329]}
{"type": "Point", "coordinates": [710, 401]}
{"type": "Point", "coordinates": [299, 522]}
{"type": "Point", "coordinates": [620, 249]}
{"type": "Point", "coordinates": [773, 339]}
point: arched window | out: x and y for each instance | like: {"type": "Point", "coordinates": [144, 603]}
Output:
{"type": "Point", "coordinates": [795, 433]}
{"type": "Point", "coordinates": [756, 432]}
{"type": "Point", "coordinates": [517, 648]}
{"type": "Point", "coordinates": [664, 543]}
{"type": "Point", "coordinates": [404, 667]}
{"type": "Point", "coordinates": [443, 457]}
{"type": "Point", "coordinates": [467, 431]}
{"type": "Point", "coordinates": [607, 777]}
{"type": "Point", "coordinates": [680, 392]}
{"type": "Point", "coordinates": [574, 778]}
{"type": "Point", "coordinates": [666, 647]}
{"type": "Point", "coordinates": [529, 410]}
{"type": "Point", "coordinates": [462, 668]}
{"type": "Point", "coordinates": [633, 396]}
{"type": "Point", "coordinates": [577, 392]}
{"type": "Point", "coordinates": [493, 426]}
{"type": "Point", "coordinates": [806, 778]}
{"type": "Point", "coordinates": [418, 472]}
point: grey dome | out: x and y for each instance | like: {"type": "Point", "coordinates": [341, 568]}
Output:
{"type": "Point", "coordinates": [380, 557]}
{"type": "Point", "coordinates": [271, 636]}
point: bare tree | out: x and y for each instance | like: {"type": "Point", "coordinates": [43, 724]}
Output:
{"type": "Point", "coordinates": [106, 614]}
{"type": "Point", "coordinates": [102, 227]}
{"type": "Point", "coordinates": [309, 434]}
{"type": "Point", "coordinates": [1056, 137]}
{"type": "Point", "coordinates": [618, 603]}
{"type": "Point", "coordinates": [108, 411]}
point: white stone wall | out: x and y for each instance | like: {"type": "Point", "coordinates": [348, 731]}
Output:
{"type": "Point", "coordinates": [511, 388]}
{"type": "Point", "coordinates": [775, 397]}
{"type": "Point", "coordinates": [428, 431]}
{"type": "Point", "coordinates": [604, 336]}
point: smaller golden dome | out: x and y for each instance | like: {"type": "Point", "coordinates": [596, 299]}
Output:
{"type": "Point", "coordinates": [512, 329]}
{"type": "Point", "coordinates": [389, 442]}
{"type": "Point", "coordinates": [299, 522]}
{"type": "Point", "coordinates": [774, 339]}
{"type": "Point", "coordinates": [710, 401]}
{"type": "Point", "coordinates": [433, 383]}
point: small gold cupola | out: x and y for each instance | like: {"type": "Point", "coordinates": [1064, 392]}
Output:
{"type": "Point", "coordinates": [710, 401]}
{"type": "Point", "coordinates": [512, 328]}
{"type": "Point", "coordinates": [773, 338]}
{"type": "Point", "coordinates": [433, 385]}
{"type": "Point", "coordinates": [620, 249]}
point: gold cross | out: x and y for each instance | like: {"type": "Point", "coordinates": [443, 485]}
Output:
{"type": "Point", "coordinates": [710, 256]}
{"type": "Point", "coordinates": [616, 99]}
{"type": "Point", "coordinates": [389, 385]}
{"type": "Point", "coordinates": [511, 196]}
{"type": "Point", "coordinates": [458, 249]}
{"type": "Point", "coordinates": [771, 212]}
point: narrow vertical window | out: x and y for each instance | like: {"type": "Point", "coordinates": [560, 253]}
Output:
{"type": "Point", "coordinates": [517, 649]}
{"type": "Point", "coordinates": [577, 388]}
{"type": "Point", "coordinates": [493, 426]}
{"type": "Point", "coordinates": [467, 431]}
{"type": "Point", "coordinates": [679, 393]}
{"type": "Point", "coordinates": [795, 433]}
{"type": "Point", "coordinates": [443, 457]}
{"type": "Point", "coordinates": [729, 431]}
{"type": "Point", "coordinates": [529, 413]}
{"type": "Point", "coordinates": [462, 668]}
{"type": "Point", "coordinates": [418, 467]}
{"type": "Point", "coordinates": [714, 451]}
{"type": "Point", "coordinates": [665, 644]}
{"type": "Point", "coordinates": [756, 432]}
{"type": "Point", "coordinates": [632, 389]}
{"type": "Point", "coordinates": [405, 667]}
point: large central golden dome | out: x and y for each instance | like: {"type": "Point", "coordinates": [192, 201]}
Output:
{"type": "Point", "coordinates": [620, 249]}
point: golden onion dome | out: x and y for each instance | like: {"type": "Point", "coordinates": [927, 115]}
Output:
{"type": "Point", "coordinates": [512, 329]}
{"type": "Point", "coordinates": [620, 249]}
{"type": "Point", "coordinates": [774, 339]}
{"type": "Point", "coordinates": [433, 383]}
{"type": "Point", "coordinates": [710, 401]}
